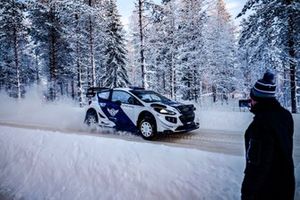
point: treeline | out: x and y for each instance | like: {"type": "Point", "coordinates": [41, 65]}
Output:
{"type": "Point", "coordinates": [185, 49]}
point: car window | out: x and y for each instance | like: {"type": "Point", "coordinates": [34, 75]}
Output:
{"type": "Point", "coordinates": [103, 95]}
{"type": "Point", "coordinates": [150, 96]}
{"type": "Point", "coordinates": [124, 97]}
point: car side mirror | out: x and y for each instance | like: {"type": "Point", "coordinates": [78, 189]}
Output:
{"type": "Point", "coordinates": [118, 102]}
{"type": "Point", "coordinates": [131, 100]}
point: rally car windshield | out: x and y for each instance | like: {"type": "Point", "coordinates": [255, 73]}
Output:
{"type": "Point", "coordinates": [150, 96]}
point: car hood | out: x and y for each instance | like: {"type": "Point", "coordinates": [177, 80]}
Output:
{"type": "Point", "coordinates": [180, 107]}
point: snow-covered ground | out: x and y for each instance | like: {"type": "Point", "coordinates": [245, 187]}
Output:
{"type": "Point", "coordinates": [52, 165]}
{"type": "Point", "coordinates": [39, 164]}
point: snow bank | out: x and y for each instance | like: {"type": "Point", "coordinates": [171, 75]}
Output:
{"type": "Point", "coordinates": [236, 122]}
{"type": "Point", "coordinates": [51, 165]}
{"type": "Point", "coordinates": [224, 120]}
{"type": "Point", "coordinates": [229, 117]}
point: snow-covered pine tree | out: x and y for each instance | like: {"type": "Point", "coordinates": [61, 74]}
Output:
{"type": "Point", "coordinates": [271, 38]}
{"type": "Point", "coordinates": [144, 10]}
{"type": "Point", "coordinates": [134, 69]}
{"type": "Point", "coordinates": [222, 51]}
{"type": "Point", "coordinates": [244, 73]}
{"type": "Point", "coordinates": [136, 46]}
{"type": "Point", "coordinates": [115, 74]}
{"type": "Point", "coordinates": [79, 53]}
{"type": "Point", "coordinates": [191, 48]}
{"type": "Point", "coordinates": [100, 32]}
{"type": "Point", "coordinates": [144, 44]}
{"type": "Point", "coordinates": [68, 39]}
{"type": "Point", "coordinates": [167, 45]}
{"type": "Point", "coordinates": [152, 42]}
{"type": "Point", "coordinates": [15, 66]}
{"type": "Point", "coordinates": [94, 28]}
{"type": "Point", "coordinates": [50, 36]}
{"type": "Point", "coordinates": [85, 26]}
{"type": "Point", "coordinates": [74, 18]}
{"type": "Point", "coordinates": [153, 35]}
{"type": "Point", "coordinates": [141, 34]}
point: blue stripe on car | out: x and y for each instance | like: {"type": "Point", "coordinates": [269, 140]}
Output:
{"type": "Point", "coordinates": [115, 113]}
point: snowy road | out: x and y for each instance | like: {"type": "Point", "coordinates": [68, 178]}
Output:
{"type": "Point", "coordinates": [206, 140]}
{"type": "Point", "coordinates": [224, 142]}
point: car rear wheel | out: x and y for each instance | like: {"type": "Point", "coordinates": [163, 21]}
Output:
{"type": "Point", "coordinates": [147, 128]}
{"type": "Point", "coordinates": [91, 119]}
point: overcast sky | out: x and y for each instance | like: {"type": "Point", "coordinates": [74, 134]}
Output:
{"type": "Point", "coordinates": [126, 7]}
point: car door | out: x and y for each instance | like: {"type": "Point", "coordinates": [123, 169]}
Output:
{"type": "Point", "coordinates": [106, 119]}
{"type": "Point", "coordinates": [126, 115]}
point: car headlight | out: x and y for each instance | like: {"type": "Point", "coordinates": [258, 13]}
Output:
{"type": "Point", "coordinates": [164, 111]}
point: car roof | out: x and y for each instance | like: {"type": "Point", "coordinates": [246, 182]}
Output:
{"type": "Point", "coordinates": [127, 89]}
{"type": "Point", "coordinates": [123, 89]}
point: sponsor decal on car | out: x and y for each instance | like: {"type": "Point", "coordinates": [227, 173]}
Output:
{"type": "Point", "coordinates": [112, 112]}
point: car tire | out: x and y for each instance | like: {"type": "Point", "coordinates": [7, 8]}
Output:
{"type": "Point", "coordinates": [147, 128]}
{"type": "Point", "coordinates": [91, 119]}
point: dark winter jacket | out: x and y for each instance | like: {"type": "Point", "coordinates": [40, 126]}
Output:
{"type": "Point", "coordinates": [269, 172]}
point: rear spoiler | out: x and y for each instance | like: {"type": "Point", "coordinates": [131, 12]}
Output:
{"type": "Point", "coordinates": [91, 92]}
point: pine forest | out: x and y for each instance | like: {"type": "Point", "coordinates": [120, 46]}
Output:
{"type": "Point", "coordinates": [187, 50]}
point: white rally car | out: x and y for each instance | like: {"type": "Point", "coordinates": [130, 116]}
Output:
{"type": "Point", "coordinates": [137, 110]}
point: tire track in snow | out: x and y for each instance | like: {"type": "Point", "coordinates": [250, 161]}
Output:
{"type": "Point", "coordinates": [204, 140]}
{"type": "Point", "coordinates": [225, 142]}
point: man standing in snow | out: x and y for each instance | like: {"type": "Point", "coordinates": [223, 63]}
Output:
{"type": "Point", "coordinates": [269, 172]}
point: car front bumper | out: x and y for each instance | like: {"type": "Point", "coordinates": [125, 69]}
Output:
{"type": "Point", "coordinates": [187, 127]}
{"type": "Point", "coordinates": [182, 129]}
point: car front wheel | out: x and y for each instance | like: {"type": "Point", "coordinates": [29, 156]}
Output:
{"type": "Point", "coordinates": [147, 128]}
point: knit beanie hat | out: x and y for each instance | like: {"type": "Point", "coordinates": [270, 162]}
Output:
{"type": "Point", "coordinates": [264, 88]}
